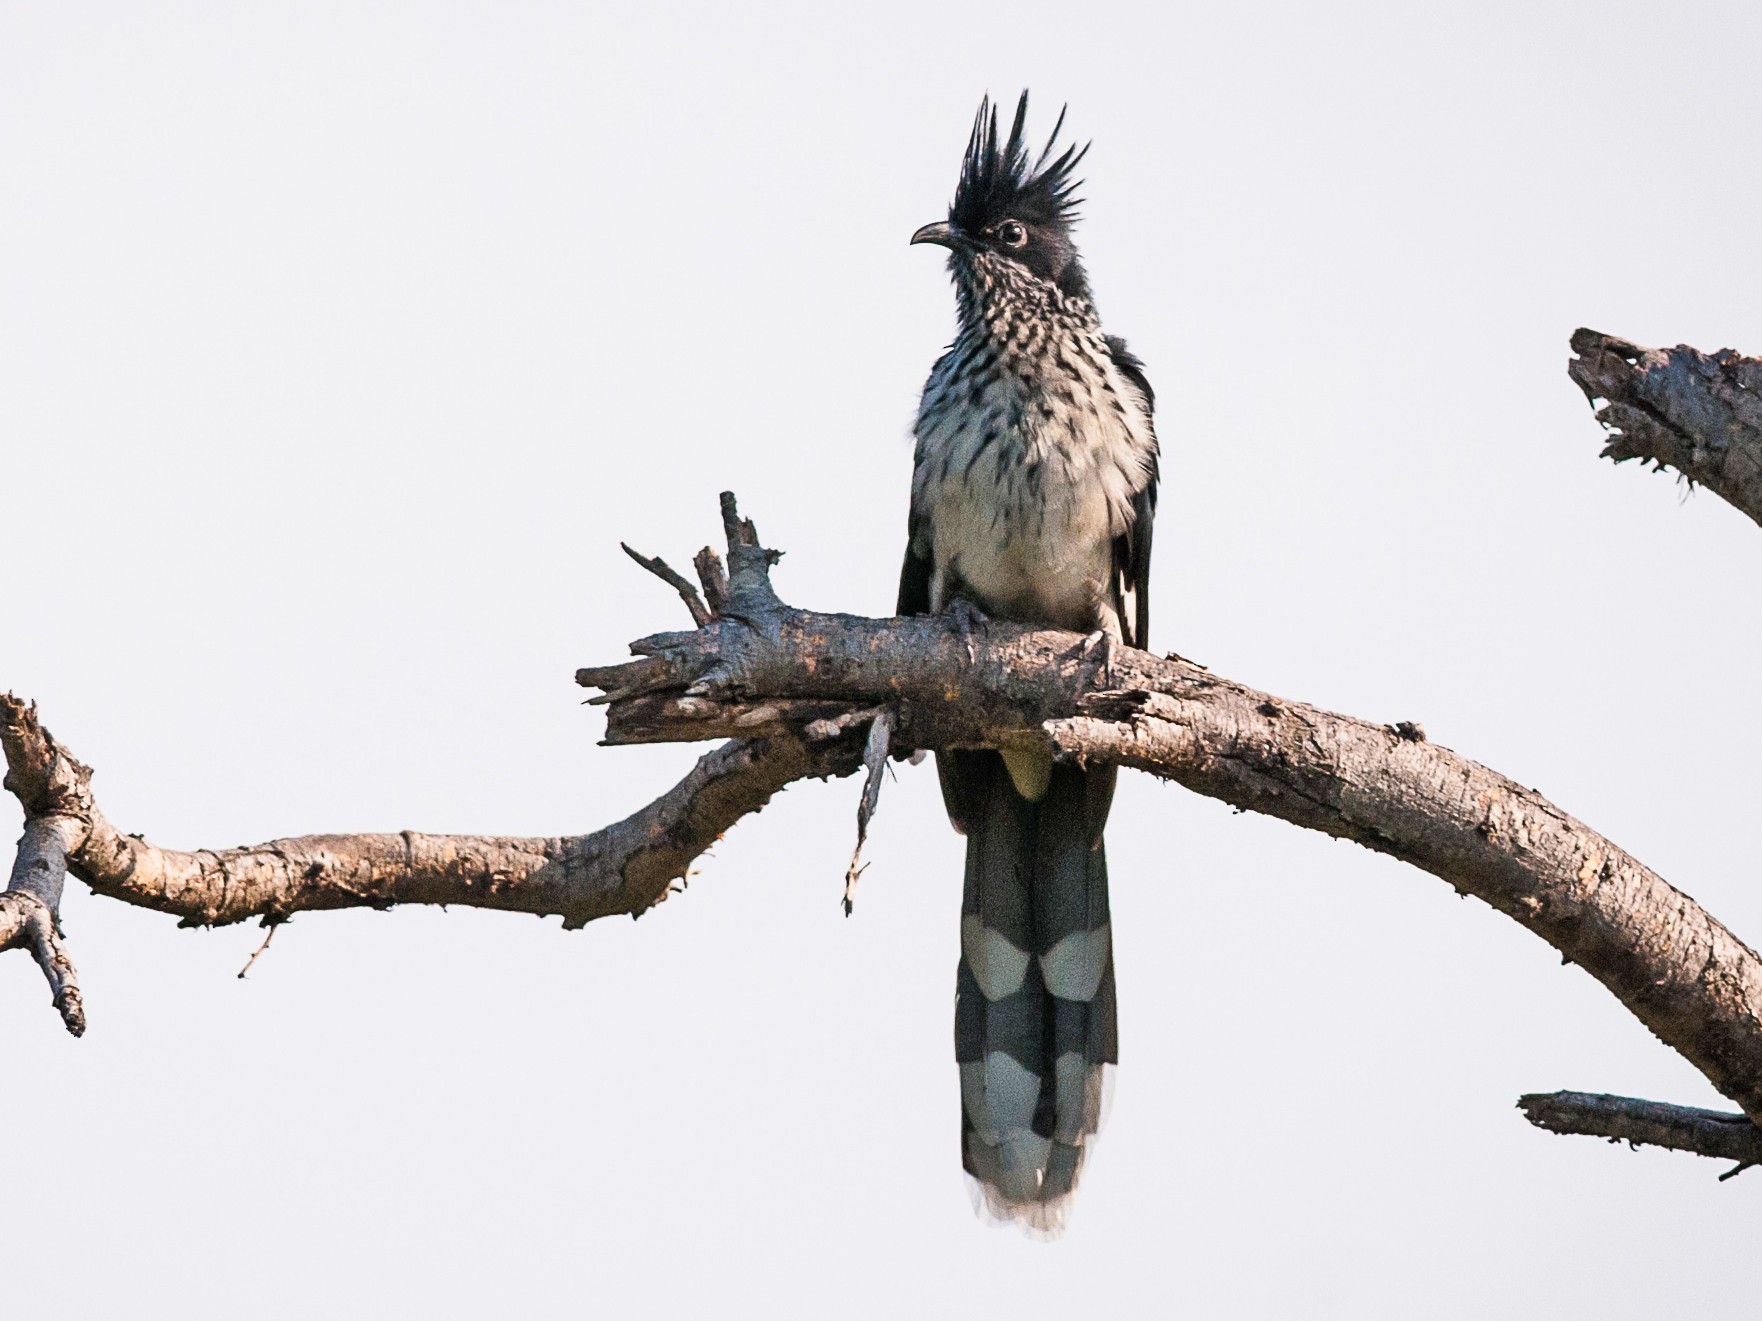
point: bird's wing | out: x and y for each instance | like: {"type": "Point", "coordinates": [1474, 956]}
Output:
{"type": "Point", "coordinates": [1131, 552]}
{"type": "Point", "coordinates": [965, 775]}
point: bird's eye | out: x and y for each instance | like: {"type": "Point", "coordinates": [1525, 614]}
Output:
{"type": "Point", "coordinates": [1012, 234]}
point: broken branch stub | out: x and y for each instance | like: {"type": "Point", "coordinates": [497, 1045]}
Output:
{"type": "Point", "coordinates": [1698, 413]}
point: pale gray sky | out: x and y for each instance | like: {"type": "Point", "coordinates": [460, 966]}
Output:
{"type": "Point", "coordinates": [339, 347]}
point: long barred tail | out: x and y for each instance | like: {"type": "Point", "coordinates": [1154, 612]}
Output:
{"type": "Point", "coordinates": [1034, 1016]}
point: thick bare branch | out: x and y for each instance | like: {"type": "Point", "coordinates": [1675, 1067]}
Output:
{"type": "Point", "coordinates": [1648, 1124]}
{"type": "Point", "coordinates": [1683, 974]}
{"type": "Point", "coordinates": [627, 867]}
{"type": "Point", "coordinates": [1699, 413]}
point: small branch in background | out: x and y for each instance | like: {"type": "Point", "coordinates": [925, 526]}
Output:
{"type": "Point", "coordinates": [1699, 413]}
{"type": "Point", "coordinates": [1648, 1124]}
{"type": "Point", "coordinates": [875, 751]}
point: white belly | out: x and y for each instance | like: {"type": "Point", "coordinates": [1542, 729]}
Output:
{"type": "Point", "coordinates": [1023, 521]}
{"type": "Point", "coordinates": [1036, 556]}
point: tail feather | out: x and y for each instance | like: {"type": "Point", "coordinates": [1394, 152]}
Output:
{"type": "Point", "coordinates": [1034, 1000]}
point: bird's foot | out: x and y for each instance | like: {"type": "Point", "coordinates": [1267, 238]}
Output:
{"type": "Point", "coordinates": [968, 620]}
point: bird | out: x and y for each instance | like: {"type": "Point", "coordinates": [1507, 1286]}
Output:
{"type": "Point", "coordinates": [1033, 496]}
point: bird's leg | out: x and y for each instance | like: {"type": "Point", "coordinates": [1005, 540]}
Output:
{"type": "Point", "coordinates": [967, 619]}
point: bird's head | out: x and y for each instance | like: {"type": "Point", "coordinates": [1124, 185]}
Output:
{"type": "Point", "coordinates": [1011, 209]}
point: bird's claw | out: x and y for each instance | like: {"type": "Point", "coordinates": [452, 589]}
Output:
{"type": "Point", "coordinates": [967, 619]}
{"type": "Point", "coordinates": [1105, 641]}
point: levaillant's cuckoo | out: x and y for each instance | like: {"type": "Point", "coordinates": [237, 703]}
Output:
{"type": "Point", "coordinates": [1033, 491]}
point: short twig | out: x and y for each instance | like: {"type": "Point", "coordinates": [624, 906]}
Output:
{"type": "Point", "coordinates": [700, 613]}
{"type": "Point", "coordinates": [273, 928]}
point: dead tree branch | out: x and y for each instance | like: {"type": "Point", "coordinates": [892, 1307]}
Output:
{"type": "Point", "coordinates": [808, 694]}
{"type": "Point", "coordinates": [1676, 968]}
{"type": "Point", "coordinates": [1699, 413]}
{"type": "Point", "coordinates": [627, 867]}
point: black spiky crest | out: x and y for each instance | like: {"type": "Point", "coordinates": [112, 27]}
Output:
{"type": "Point", "coordinates": [997, 183]}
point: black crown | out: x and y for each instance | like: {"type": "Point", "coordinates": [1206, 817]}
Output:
{"type": "Point", "coordinates": [997, 183]}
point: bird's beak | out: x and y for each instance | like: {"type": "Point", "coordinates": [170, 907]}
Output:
{"type": "Point", "coordinates": [938, 233]}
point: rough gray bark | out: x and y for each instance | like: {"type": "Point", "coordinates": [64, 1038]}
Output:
{"type": "Point", "coordinates": [1699, 413]}
{"type": "Point", "coordinates": [1648, 1124]}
